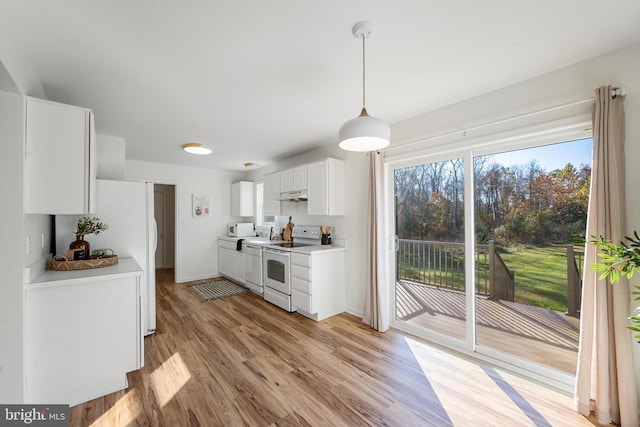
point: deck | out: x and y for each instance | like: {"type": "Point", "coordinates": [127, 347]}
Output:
{"type": "Point", "coordinates": [537, 334]}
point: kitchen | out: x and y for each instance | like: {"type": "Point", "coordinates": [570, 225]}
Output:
{"type": "Point", "coordinates": [298, 268]}
{"type": "Point", "coordinates": [320, 296]}
{"type": "Point", "coordinates": [27, 236]}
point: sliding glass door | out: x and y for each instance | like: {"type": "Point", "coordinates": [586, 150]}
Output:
{"type": "Point", "coordinates": [529, 206]}
{"type": "Point", "coordinates": [511, 288]}
{"type": "Point", "coordinates": [430, 261]}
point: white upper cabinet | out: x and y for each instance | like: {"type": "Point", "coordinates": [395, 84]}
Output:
{"type": "Point", "coordinates": [294, 179]}
{"type": "Point", "coordinates": [326, 187]}
{"type": "Point", "coordinates": [242, 199]}
{"type": "Point", "coordinates": [271, 197]}
{"type": "Point", "coordinates": [59, 158]}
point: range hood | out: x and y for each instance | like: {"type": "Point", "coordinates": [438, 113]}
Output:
{"type": "Point", "coordinates": [293, 196]}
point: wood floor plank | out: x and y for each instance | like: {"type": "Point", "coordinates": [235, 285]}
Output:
{"type": "Point", "coordinates": [240, 361]}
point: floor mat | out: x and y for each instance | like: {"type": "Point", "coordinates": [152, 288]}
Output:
{"type": "Point", "coordinates": [219, 289]}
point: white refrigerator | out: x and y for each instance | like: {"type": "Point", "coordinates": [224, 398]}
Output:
{"type": "Point", "coordinates": [127, 207]}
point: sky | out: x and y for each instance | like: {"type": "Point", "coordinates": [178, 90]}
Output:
{"type": "Point", "coordinates": [550, 157]}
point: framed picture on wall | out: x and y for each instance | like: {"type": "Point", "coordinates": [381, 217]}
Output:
{"type": "Point", "coordinates": [201, 203]}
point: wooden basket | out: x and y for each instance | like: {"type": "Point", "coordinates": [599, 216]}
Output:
{"type": "Point", "coordinates": [85, 264]}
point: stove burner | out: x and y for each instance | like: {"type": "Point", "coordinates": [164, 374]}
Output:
{"type": "Point", "coordinates": [291, 244]}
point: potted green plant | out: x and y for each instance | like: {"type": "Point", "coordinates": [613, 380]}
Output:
{"type": "Point", "coordinates": [617, 260]}
{"type": "Point", "coordinates": [87, 225]}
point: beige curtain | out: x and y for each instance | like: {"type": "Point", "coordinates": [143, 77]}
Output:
{"type": "Point", "coordinates": [604, 379]}
{"type": "Point", "coordinates": [376, 305]}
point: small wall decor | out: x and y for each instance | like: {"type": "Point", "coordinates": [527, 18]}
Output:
{"type": "Point", "coordinates": [201, 205]}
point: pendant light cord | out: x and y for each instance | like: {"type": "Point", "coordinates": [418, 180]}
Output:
{"type": "Point", "coordinates": [363, 73]}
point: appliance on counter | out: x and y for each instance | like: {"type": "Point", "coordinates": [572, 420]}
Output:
{"type": "Point", "coordinates": [127, 207]}
{"type": "Point", "coordinates": [276, 264]}
{"type": "Point", "coordinates": [264, 232]}
{"type": "Point", "coordinates": [241, 229]}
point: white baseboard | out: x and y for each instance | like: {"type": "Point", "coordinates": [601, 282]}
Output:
{"type": "Point", "coordinates": [355, 312]}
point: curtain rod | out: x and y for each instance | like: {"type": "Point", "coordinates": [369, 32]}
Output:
{"type": "Point", "coordinates": [615, 92]}
{"type": "Point", "coordinates": [508, 119]}
{"type": "Point", "coordinates": [618, 91]}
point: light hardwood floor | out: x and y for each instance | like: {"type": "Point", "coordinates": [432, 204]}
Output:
{"type": "Point", "coordinates": [242, 361]}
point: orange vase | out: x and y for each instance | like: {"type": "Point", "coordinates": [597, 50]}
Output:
{"type": "Point", "coordinates": [80, 243]}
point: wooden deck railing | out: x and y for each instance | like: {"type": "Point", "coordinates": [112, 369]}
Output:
{"type": "Point", "coordinates": [441, 264]}
{"type": "Point", "coordinates": [575, 261]}
{"type": "Point", "coordinates": [502, 279]}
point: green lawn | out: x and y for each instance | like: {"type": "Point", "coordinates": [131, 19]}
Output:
{"type": "Point", "coordinates": [541, 274]}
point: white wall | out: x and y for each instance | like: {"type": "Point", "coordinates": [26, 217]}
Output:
{"type": "Point", "coordinates": [17, 78]}
{"type": "Point", "coordinates": [35, 227]}
{"type": "Point", "coordinates": [22, 73]}
{"type": "Point", "coordinates": [11, 249]}
{"type": "Point", "coordinates": [110, 158]}
{"type": "Point", "coordinates": [196, 238]}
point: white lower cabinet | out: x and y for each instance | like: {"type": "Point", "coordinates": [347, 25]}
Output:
{"type": "Point", "coordinates": [318, 283]}
{"type": "Point", "coordinates": [230, 261]}
{"type": "Point", "coordinates": [83, 334]}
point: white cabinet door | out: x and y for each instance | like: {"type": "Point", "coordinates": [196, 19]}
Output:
{"type": "Point", "coordinates": [294, 179]}
{"type": "Point", "coordinates": [317, 203]}
{"type": "Point", "coordinates": [59, 164]}
{"type": "Point", "coordinates": [271, 202]}
{"type": "Point", "coordinates": [326, 187]}
{"type": "Point", "coordinates": [299, 175]}
{"type": "Point", "coordinates": [242, 199]}
{"type": "Point", "coordinates": [238, 266]}
{"type": "Point", "coordinates": [225, 262]}
{"type": "Point", "coordinates": [286, 180]}
{"type": "Point", "coordinates": [231, 263]}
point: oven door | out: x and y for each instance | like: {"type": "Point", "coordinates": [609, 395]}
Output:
{"type": "Point", "coordinates": [276, 267]}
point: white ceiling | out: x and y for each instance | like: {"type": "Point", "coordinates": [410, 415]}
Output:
{"type": "Point", "coordinates": [260, 80]}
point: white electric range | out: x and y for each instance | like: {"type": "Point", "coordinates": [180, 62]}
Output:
{"type": "Point", "coordinates": [276, 264]}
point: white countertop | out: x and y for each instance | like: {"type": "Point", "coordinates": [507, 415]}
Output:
{"type": "Point", "coordinates": [125, 267]}
{"type": "Point", "coordinates": [319, 248]}
{"type": "Point", "coordinates": [259, 241]}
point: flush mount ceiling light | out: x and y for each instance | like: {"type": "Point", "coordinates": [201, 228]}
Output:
{"type": "Point", "coordinates": [196, 148]}
{"type": "Point", "coordinates": [364, 133]}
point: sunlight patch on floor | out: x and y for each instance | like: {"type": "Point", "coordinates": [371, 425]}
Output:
{"type": "Point", "coordinates": [168, 379]}
{"type": "Point", "coordinates": [123, 413]}
{"type": "Point", "coordinates": [505, 398]}
{"type": "Point", "coordinates": [460, 384]}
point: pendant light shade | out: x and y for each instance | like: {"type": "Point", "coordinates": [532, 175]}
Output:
{"type": "Point", "coordinates": [364, 133]}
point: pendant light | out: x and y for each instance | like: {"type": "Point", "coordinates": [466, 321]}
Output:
{"type": "Point", "coordinates": [364, 133]}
